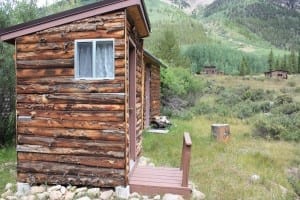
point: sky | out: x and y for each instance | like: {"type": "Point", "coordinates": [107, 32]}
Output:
{"type": "Point", "coordinates": [41, 3]}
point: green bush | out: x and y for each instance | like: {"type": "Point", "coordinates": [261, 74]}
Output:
{"type": "Point", "coordinates": [279, 126]}
{"type": "Point", "coordinates": [180, 89]}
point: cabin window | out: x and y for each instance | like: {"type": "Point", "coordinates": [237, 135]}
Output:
{"type": "Point", "coordinates": [94, 59]}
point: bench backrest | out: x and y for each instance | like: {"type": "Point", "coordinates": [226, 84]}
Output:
{"type": "Point", "coordinates": [185, 158]}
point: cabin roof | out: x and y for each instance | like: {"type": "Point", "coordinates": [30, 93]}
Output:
{"type": "Point", "coordinates": [210, 67]}
{"type": "Point", "coordinates": [277, 70]}
{"type": "Point", "coordinates": [152, 59]}
{"type": "Point", "coordinates": [136, 10]}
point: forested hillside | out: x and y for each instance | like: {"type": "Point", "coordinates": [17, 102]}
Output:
{"type": "Point", "coordinates": [273, 21]}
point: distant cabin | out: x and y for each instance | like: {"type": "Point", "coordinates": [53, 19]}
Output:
{"type": "Point", "coordinates": [281, 74]}
{"type": "Point", "coordinates": [86, 90]}
{"type": "Point", "coordinates": [210, 70]}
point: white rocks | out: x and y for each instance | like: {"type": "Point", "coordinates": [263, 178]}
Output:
{"type": "Point", "coordinates": [135, 195]}
{"type": "Point", "coordinates": [43, 196]}
{"type": "Point", "coordinates": [84, 198]}
{"type": "Point", "coordinates": [31, 197]}
{"type": "Point", "coordinates": [37, 189]}
{"type": "Point", "coordinates": [69, 195]}
{"type": "Point", "coordinates": [157, 197]}
{"type": "Point", "coordinates": [9, 186]}
{"type": "Point", "coordinates": [23, 188]}
{"type": "Point", "coordinates": [82, 189]}
{"type": "Point", "coordinates": [93, 192]}
{"type": "Point", "coordinates": [63, 190]}
{"type": "Point", "coordinates": [172, 197]}
{"type": "Point", "coordinates": [254, 178]}
{"type": "Point", "coordinates": [6, 193]}
{"type": "Point", "coordinates": [54, 188]}
{"type": "Point", "coordinates": [55, 195]}
{"type": "Point", "coordinates": [122, 192]}
{"type": "Point", "coordinates": [197, 195]}
{"type": "Point", "coordinates": [106, 195]}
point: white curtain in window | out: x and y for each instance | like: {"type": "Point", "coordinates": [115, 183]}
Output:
{"type": "Point", "coordinates": [85, 59]}
{"type": "Point", "coordinates": [104, 59]}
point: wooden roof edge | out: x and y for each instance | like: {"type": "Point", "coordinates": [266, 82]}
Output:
{"type": "Point", "coordinates": [154, 59]}
{"type": "Point", "coordinates": [10, 33]}
{"type": "Point", "coordinates": [274, 70]}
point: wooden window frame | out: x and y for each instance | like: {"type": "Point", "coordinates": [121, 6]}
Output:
{"type": "Point", "coordinates": [76, 59]}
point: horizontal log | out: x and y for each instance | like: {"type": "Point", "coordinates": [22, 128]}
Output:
{"type": "Point", "coordinates": [29, 73]}
{"type": "Point", "coordinates": [104, 116]}
{"type": "Point", "coordinates": [40, 47]}
{"type": "Point", "coordinates": [93, 161]}
{"type": "Point", "coordinates": [71, 36]}
{"type": "Point", "coordinates": [98, 145]}
{"type": "Point", "coordinates": [40, 178]}
{"type": "Point", "coordinates": [73, 107]}
{"type": "Point", "coordinates": [68, 151]}
{"type": "Point", "coordinates": [45, 55]}
{"type": "Point", "coordinates": [58, 63]}
{"type": "Point", "coordinates": [55, 123]}
{"type": "Point", "coordinates": [67, 169]}
{"type": "Point", "coordinates": [67, 80]}
{"type": "Point", "coordinates": [74, 98]}
{"type": "Point", "coordinates": [70, 88]}
{"type": "Point", "coordinates": [105, 135]}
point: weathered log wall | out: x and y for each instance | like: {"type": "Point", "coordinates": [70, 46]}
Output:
{"type": "Point", "coordinates": [155, 91]}
{"type": "Point", "coordinates": [70, 131]}
{"type": "Point", "coordinates": [139, 84]}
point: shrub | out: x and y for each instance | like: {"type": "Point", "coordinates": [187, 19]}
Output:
{"type": "Point", "coordinates": [179, 88]}
{"type": "Point", "coordinates": [279, 126]}
{"type": "Point", "coordinates": [283, 99]}
{"type": "Point", "coordinates": [291, 83]}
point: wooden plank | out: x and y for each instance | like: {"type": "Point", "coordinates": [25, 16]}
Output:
{"type": "Point", "coordinates": [40, 178]}
{"type": "Point", "coordinates": [153, 190]}
{"type": "Point", "coordinates": [93, 161]}
{"type": "Point", "coordinates": [73, 107]}
{"type": "Point", "coordinates": [104, 116]}
{"type": "Point", "coordinates": [72, 124]}
{"type": "Point", "coordinates": [75, 98]}
{"type": "Point", "coordinates": [59, 63]}
{"type": "Point", "coordinates": [68, 151]}
{"type": "Point", "coordinates": [105, 135]}
{"type": "Point", "coordinates": [37, 73]}
{"type": "Point", "coordinates": [67, 169]}
{"type": "Point", "coordinates": [71, 36]}
{"type": "Point", "coordinates": [71, 143]}
{"type": "Point", "coordinates": [66, 80]}
{"type": "Point", "coordinates": [70, 88]}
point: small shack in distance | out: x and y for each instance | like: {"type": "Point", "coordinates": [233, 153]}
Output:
{"type": "Point", "coordinates": [278, 73]}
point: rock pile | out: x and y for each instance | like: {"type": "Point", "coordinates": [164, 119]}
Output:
{"type": "Point", "coordinates": [23, 191]}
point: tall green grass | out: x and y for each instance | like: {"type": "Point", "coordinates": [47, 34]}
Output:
{"type": "Point", "coordinates": [222, 171]}
{"type": "Point", "coordinates": [7, 166]}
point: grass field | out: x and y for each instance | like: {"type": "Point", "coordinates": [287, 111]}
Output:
{"type": "Point", "coordinates": [222, 171]}
{"type": "Point", "coordinates": [7, 166]}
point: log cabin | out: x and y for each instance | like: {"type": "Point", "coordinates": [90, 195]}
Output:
{"type": "Point", "coordinates": [278, 73]}
{"type": "Point", "coordinates": [85, 91]}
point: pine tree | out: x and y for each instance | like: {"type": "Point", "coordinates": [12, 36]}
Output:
{"type": "Point", "coordinates": [271, 60]}
{"type": "Point", "coordinates": [292, 62]}
{"type": "Point", "coordinates": [299, 61]}
{"type": "Point", "coordinates": [244, 67]}
{"type": "Point", "coordinates": [284, 63]}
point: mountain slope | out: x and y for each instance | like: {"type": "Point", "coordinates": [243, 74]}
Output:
{"type": "Point", "coordinates": [273, 21]}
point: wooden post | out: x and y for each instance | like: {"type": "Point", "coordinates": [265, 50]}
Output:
{"type": "Point", "coordinates": [185, 159]}
{"type": "Point", "coordinates": [221, 132]}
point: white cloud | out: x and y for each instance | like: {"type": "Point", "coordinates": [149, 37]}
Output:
{"type": "Point", "coordinates": [42, 3]}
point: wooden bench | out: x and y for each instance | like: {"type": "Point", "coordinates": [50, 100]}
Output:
{"type": "Point", "coordinates": [161, 180]}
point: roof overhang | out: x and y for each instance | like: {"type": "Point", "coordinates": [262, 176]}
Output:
{"type": "Point", "coordinates": [149, 58]}
{"type": "Point", "coordinates": [136, 9]}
